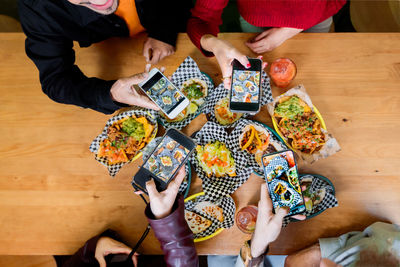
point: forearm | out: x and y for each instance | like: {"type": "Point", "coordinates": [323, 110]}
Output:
{"type": "Point", "coordinates": [175, 237]}
{"type": "Point", "coordinates": [73, 87]}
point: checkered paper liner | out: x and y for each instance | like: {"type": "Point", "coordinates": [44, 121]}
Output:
{"type": "Point", "coordinates": [217, 187]}
{"type": "Point", "coordinates": [146, 153]}
{"type": "Point", "coordinates": [95, 145]}
{"type": "Point", "coordinates": [329, 200]}
{"type": "Point", "coordinates": [228, 207]}
{"type": "Point", "coordinates": [273, 139]}
{"type": "Point", "coordinates": [188, 69]}
{"type": "Point", "coordinates": [220, 92]}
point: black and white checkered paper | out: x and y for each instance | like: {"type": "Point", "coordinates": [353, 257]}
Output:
{"type": "Point", "coordinates": [95, 145]}
{"type": "Point", "coordinates": [273, 139]}
{"type": "Point", "coordinates": [226, 203]}
{"type": "Point", "coordinates": [217, 187]}
{"type": "Point", "coordinates": [329, 200]}
{"type": "Point", "coordinates": [146, 153]}
{"type": "Point", "coordinates": [188, 69]}
{"type": "Point", "coordinates": [220, 92]}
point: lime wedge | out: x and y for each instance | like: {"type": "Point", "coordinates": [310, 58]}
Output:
{"type": "Point", "coordinates": [192, 108]}
{"type": "Point", "coordinates": [309, 205]}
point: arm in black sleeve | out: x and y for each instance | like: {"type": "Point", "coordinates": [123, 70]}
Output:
{"type": "Point", "coordinates": [53, 54]}
{"type": "Point", "coordinates": [163, 20]}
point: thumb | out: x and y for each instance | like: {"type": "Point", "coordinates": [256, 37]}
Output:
{"type": "Point", "coordinates": [279, 215]}
{"type": "Point", "coordinates": [146, 102]}
{"type": "Point", "coordinates": [262, 35]}
{"type": "Point", "coordinates": [137, 78]}
{"type": "Point", "coordinates": [151, 189]}
{"type": "Point", "coordinates": [102, 261]}
{"type": "Point", "coordinates": [242, 59]}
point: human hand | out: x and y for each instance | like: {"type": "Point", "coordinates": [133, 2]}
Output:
{"type": "Point", "coordinates": [271, 39]}
{"type": "Point", "coordinates": [161, 202]}
{"type": "Point", "coordinates": [225, 53]}
{"type": "Point", "coordinates": [123, 91]}
{"type": "Point", "coordinates": [106, 246]}
{"type": "Point", "coordinates": [268, 225]}
{"type": "Point", "coordinates": [155, 50]}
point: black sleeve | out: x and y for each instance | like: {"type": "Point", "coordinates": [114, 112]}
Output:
{"type": "Point", "coordinates": [53, 54]}
{"type": "Point", "coordinates": [85, 256]}
{"type": "Point", "coordinates": [163, 19]}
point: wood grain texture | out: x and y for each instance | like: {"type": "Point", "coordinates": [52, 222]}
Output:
{"type": "Point", "coordinates": [54, 195]}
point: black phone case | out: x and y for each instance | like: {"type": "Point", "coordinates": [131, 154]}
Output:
{"type": "Point", "coordinates": [144, 175]}
{"type": "Point", "coordinates": [234, 106]}
{"type": "Point", "coordinates": [295, 162]}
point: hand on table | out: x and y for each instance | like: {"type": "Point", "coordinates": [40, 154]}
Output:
{"type": "Point", "coordinates": [155, 50]}
{"type": "Point", "coordinates": [225, 53]}
{"type": "Point", "coordinates": [161, 202]}
{"type": "Point", "coordinates": [268, 225]}
{"type": "Point", "coordinates": [106, 246]}
{"type": "Point", "coordinates": [271, 39]}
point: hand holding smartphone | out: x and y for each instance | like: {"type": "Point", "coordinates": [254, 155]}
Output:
{"type": "Point", "coordinates": [164, 93]}
{"type": "Point", "coordinates": [245, 93]}
{"type": "Point", "coordinates": [166, 159]}
{"type": "Point", "coordinates": [280, 170]}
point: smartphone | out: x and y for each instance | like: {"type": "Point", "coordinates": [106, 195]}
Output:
{"type": "Point", "coordinates": [165, 160]}
{"type": "Point", "coordinates": [245, 93]}
{"type": "Point", "coordinates": [118, 260]}
{"type": "Point", "coordinates": [166, 96]}
{"type": "Point", "coordinates": [280, 170]}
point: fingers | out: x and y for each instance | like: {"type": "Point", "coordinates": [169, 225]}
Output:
{"type": "Point", "coordinates": [120, 250]}
{"type": "Point", "coordinates": [264, 65]}
{"type": "Point", "coordinates": [299, 217]}
{"type": "Point", "coordinates": [265, 200]}
{"type": "Point", "coordinates": [176, 183]}
{"type": "Point", "coordinates": [227, 83]}
{"type": "Point", "coordinates": [243, 60]}
{"type": "Point", "coordinates": [102, 261]}
{"type": "Point", "coordinates": [146, 51]}
{"type": "Point", "coordinates": [147, 68]}
{"type": "Point", "coordinates": [146, 102]}
{"type": "Point", "coordinates": [135, 259]}
{"type": "Point", "coordinates": [137, 78]}
{"type": "Point", "coordinates": [139, 192]}
{"type": "Point", "coordinates": [281, 212]}
{"type": "Point", "coordinates": [162, 69]}
{"type": "Point", "coordinates": [262, 35]}
{"type": "Point", "coordinates": [151, 189]}
{"type": "Point", "coordinates": [156, 56]}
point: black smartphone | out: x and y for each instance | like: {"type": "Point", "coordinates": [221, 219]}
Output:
{"type": "Point", "coordinates": [245, 93]}
{"type": "Point", "coordinates": [118, 260]}
{"type": "Point", "coordinates": [164, 162]}
{"type": "Point", "coordinates": [280, 171]}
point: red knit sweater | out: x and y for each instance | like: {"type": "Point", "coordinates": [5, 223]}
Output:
{"type": "Point", "coordinates": [301, 14]}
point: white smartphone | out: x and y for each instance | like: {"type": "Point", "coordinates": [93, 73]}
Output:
{"type": "Point", "coordinates": [166, 96]}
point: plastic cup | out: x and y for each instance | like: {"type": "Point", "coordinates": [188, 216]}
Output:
{"type": "Point", "coordinates": [246, 219]}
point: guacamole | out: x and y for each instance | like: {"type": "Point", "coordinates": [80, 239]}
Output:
{"type": "Point", "coordinates": [194, 90]}
{"type": "Point", "coordinates": [290, 108]}
{"type": "Point", "coordinates": [133, 128]}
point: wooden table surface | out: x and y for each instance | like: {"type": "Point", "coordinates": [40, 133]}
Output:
{"type": "Point", "coordinates": [54, 195]}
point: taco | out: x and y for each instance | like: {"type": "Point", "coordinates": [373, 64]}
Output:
{"type": "Point", "coordinates": [254, 138]}
{"type": "Point", "coordinates": [180, 117]}
{"type": "Point", "coordinates": [195, 90]}
{"type": "Point", "coordinates": [311, 198]}
{"type": "Point", "coordinates": [223, 114]}
{"type": "Point", "coordinates": [216, 159]}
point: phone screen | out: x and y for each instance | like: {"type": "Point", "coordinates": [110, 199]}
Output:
{"type": "Point", "coordinates": [163, 92]}
{"type": "Point", "coordinates": [283, 181]}
{"type": "Point", "coordinates": [245, 86]}
{"type": "Point", "coordinates": [166, 158]}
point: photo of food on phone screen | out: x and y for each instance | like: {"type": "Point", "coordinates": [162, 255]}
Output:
{"type": "Point", "coordinates": [283, 181]}
{"type": "Point", "coordinates": [166, 158]}
{"type": "Point", "coordinates": [245, 86]}
{"type": "Point", "coordinates": [164, 93]}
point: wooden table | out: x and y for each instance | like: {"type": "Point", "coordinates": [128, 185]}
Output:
{"type": "Point", "coordinates": [54, 195]}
